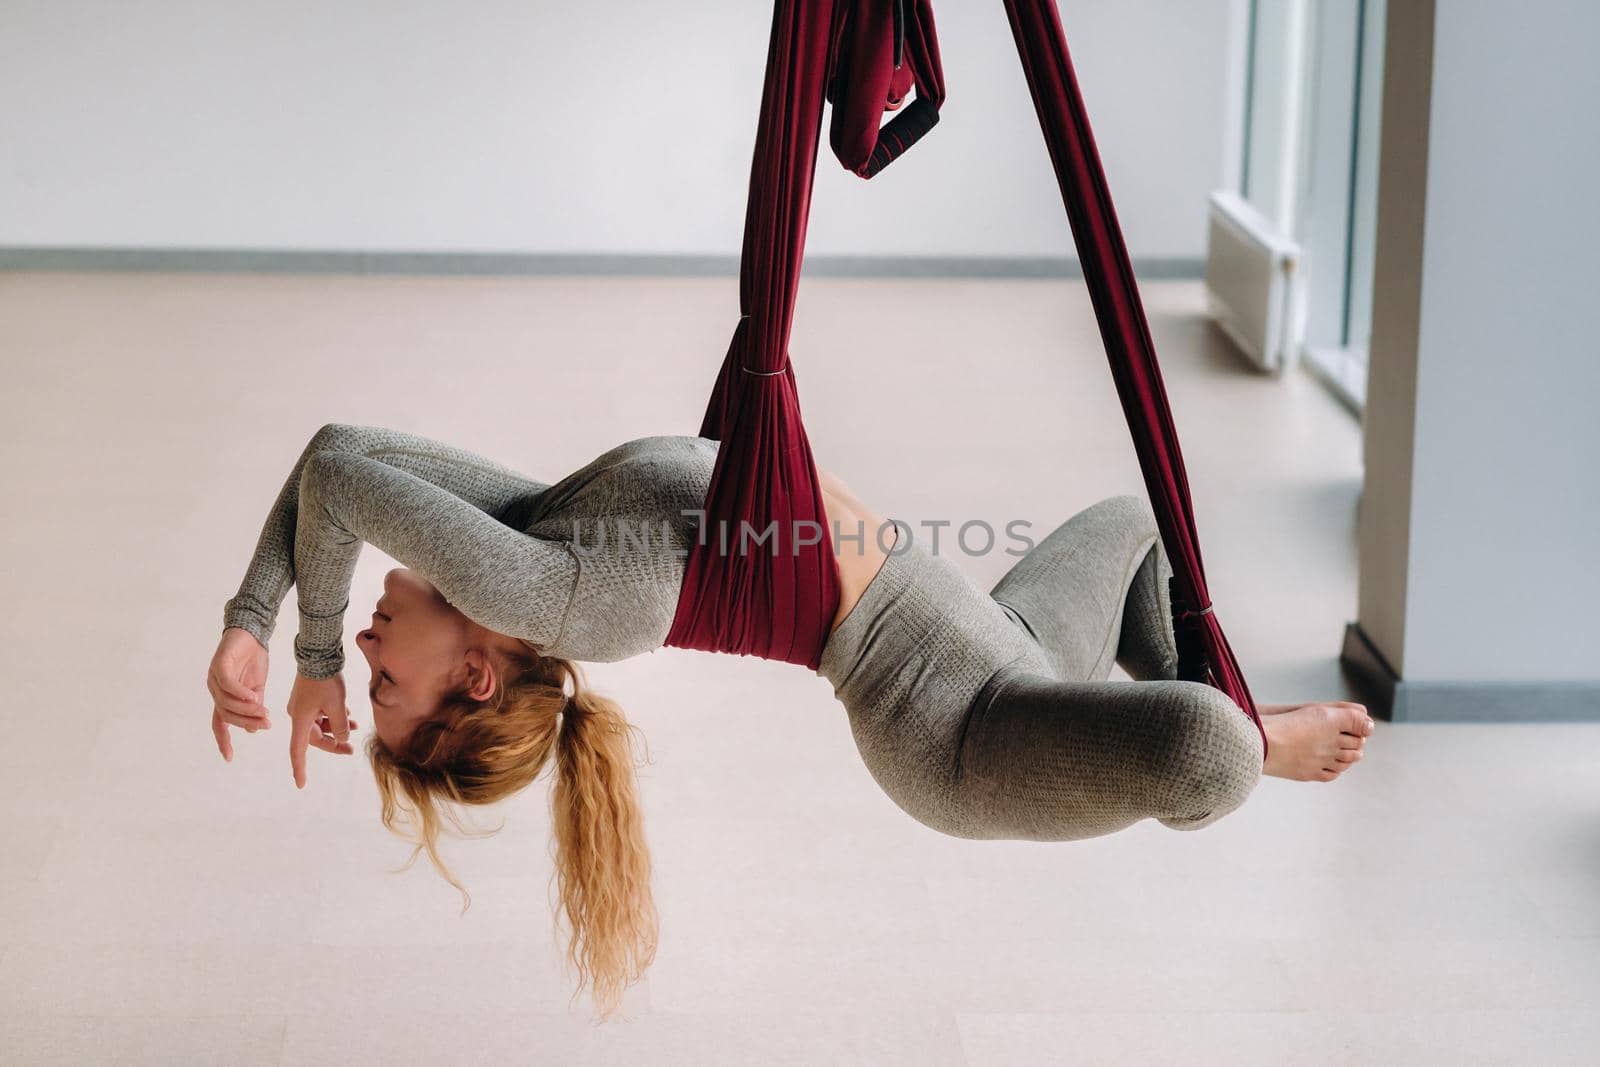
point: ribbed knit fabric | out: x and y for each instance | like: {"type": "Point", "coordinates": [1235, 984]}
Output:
{"type": "Point", "coordinates": [587, 568]}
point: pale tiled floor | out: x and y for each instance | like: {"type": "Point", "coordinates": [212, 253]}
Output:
{"type": "Point", "coordinates": [1441, 903]}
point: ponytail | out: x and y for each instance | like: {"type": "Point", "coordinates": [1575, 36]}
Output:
{"type": "Point", "coordinates": [482, 751]}
{"type": "Point", "coordinates": [602, 862]}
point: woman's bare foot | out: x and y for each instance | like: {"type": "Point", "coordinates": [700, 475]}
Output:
{"type": "Point", "coordinates": [1313, 742]}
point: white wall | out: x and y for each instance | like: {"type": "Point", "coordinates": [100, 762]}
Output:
{"type": "Point", "coordinates": [1508, 375]}
{"type": "Point", "coordinates": [529, 126]}
{"type": "Point", "coordinates": [1481, 521]}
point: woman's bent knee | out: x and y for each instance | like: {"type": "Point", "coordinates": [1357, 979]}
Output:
{"type": "Point", "coordinates": [1124, 512]}
{"type": "Point", "coordinates": [1214, 762]}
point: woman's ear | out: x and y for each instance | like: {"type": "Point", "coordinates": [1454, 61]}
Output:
{"type": "Point", "coordinates": [483, 674]}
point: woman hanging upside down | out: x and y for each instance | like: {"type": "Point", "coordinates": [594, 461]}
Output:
{"type": "Point", "coordinates": [982, 716]}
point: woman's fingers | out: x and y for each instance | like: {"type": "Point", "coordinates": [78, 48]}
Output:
{"type": "Point", "coordinates": [307, 734]}
{"type": "Point", "coordinates": [325, 739]}
{"type": "Point", "coordinates": [232, 703]}
{"type": "Point", "coordinates": [219, 730]}
{"type": "Point", "coordinates": [245, 710]}
{"type": "Point", "coordinates": [337, 721]}
{"type": "Point", "coordinates": [251, 723]}
{"type": "Point", "coordinates": [333, 745]}
{"type": "Point", "coordinates": [299, 739]}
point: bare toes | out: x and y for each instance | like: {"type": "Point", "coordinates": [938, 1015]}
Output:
{"type": "Point", "coordinates": [1353, 719]}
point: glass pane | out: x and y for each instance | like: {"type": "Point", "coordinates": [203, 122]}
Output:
{"type": "Point", "coordinates": [1272, 101]}
{"type": "Point", "coordinates": [1364, 195]}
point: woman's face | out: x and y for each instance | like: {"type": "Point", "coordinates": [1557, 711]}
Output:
{"type": "Point", "coordinates": [415, 648]}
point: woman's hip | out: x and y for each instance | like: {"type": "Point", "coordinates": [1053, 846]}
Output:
{"type": "Point", "coordinates": [922, 631]}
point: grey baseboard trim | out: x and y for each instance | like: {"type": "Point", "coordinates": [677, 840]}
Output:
{"type": "Point", "coordinates": [265, 261]}
{"type": "Point", "coordinates": [1396, 699]}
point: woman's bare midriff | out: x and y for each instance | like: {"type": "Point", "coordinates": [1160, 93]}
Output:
{"type": "Point", "coordinates": [859, 560]}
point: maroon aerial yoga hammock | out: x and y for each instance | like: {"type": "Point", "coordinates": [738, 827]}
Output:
{"type": "Point", "coordinates": [761, 579]}
{"type": "Point", "coordinates": [777, 598]}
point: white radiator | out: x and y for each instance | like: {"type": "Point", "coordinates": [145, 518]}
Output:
{"type": "Point", "coordinates": [1254, 287]}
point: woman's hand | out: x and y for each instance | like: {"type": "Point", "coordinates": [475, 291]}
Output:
{"type": "Point", "coordinates": [317, 716]}
{"type": "Point", "coordinates": [237, 680]}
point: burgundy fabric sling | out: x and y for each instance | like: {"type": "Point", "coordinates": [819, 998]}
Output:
{"type": "Point", "coordinates": [761, 579]}
{"type": "Point", "coordinates": [777, 599]}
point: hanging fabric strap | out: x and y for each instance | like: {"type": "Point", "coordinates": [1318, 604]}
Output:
{"type": "Point", "coordinates": [761, 578]}
{"type": "Point", "coordinates": [1203, 651]}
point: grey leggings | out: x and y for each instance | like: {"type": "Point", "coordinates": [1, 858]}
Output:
{"type": "Point", "coordinates": [992, 716]}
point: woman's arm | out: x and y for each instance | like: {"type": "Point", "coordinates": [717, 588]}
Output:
{"type": "Point", "coordinates": [498, 576]}
{"type": "Point", "coordinates": [440, 483]}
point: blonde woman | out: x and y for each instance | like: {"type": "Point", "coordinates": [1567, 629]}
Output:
{"type": "Point", "coordinates": [981, 715]}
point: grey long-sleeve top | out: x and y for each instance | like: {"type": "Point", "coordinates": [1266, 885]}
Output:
{"type": "Point", "coordinates": [588, 568]}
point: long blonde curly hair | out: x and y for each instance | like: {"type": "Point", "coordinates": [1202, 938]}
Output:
{"type": "Point", "coordinates": [480, 752]}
